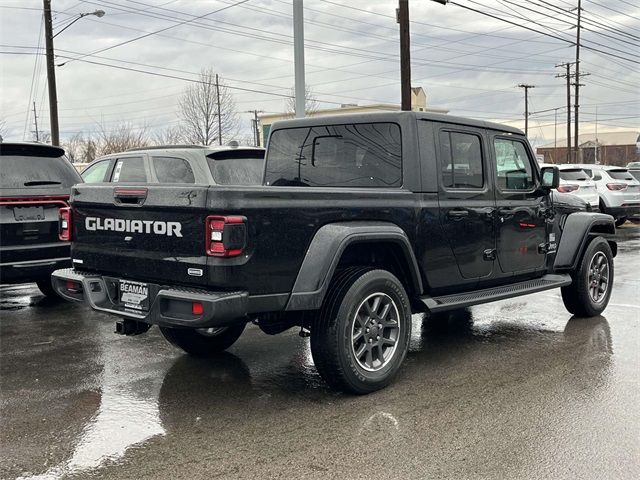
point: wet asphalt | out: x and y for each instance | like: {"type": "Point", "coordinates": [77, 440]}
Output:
{"type": "Point", "coordinates": [512, 390]}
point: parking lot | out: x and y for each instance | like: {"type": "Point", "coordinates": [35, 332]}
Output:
{"type": "Point", "coordinates": [514, 389]}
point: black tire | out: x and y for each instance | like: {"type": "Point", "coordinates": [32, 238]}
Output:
{"type": "Point", "coordinates": [621, 221]}
{"type": "Point", "coordinates": [44, 285]}
{"type": "Point", "coordinates": [577, 297]}
{"type": "Point", "coordinates": [200, 342]}
{"type": "Point", "coordinates": [332, 335]}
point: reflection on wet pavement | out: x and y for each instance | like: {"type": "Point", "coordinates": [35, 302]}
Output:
{"type": "Point", "coordinates": [515, 389]}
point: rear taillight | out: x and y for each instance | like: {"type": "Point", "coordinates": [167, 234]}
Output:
{"type": "Point", "coordinates": [64, 224]}
{"type": "Point", "coordinates": [616, 186]}
{"type": "Point", "coordinates": [568, 188]}
{"type": "Point", "coordinates": [226, 236]}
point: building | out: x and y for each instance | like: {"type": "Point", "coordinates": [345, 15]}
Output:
{"type": "Point", "coordinates": [418, 104]}
{"type": "Point", "coordinates": [610, 148]}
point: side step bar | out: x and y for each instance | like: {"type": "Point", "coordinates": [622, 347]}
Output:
{"type": "Point", "coordinates": [461, 300]}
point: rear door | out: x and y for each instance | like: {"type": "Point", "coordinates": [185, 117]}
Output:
{"type": "Point", "coordinates": [466, 200]}
{"type": "Point", "coordinates": [520, 223]}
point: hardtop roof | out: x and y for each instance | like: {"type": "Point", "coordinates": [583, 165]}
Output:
{"type": "Point", "coordinates": [390, 117]}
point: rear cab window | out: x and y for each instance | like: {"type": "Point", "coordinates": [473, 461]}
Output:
{"type": "Point", "coordinates": [172, 170]}
{"type": "Point", "coordinates": [237, 167]}
{"type": "Point", "coordinates": [351, 155]}
{"type": "Point", "coordinates": [129, 169]}
{"type": "Point", "coordinates": [32, 167]}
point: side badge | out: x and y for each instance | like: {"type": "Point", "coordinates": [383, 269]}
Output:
{"type": "Point", "coordinates": [195, 272]}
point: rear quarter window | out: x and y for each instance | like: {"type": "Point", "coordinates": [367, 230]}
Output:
{"type": "Point", "coordinates": [237, 167]}
{"type": "Point", "coordinates": [350, 155]}
{"type": "Point", "coordinates": [172, 170]}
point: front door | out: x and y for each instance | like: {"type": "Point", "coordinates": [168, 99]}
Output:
{"type": "Point", "coordinates": [520, 203]}
{"type": "Point", "coordinates": [467, 201]}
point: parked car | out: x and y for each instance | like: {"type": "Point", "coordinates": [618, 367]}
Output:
{"type": "Point", "coordinates": [575, 181]}
{"type": "Point", "coordinates": [35, 181]}
{"type": "Point", "coordinates": [180, 164]}
{"type": "Point", "coordinates": [634, 169]}
{"type": "Point", "coordinates": [359, 222]}
{"type": "Point", "coordinates": [619, 191]}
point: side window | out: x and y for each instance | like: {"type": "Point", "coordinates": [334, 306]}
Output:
{"type": "Point", "coordinates": [514, 170]}
{"type": "Point", "coordinates": [597, 176]}
{"type": "Point", "coordinates": [130, 169]}
{"type": "Point", "coordinates": [173, 170]}
{"type": "Point", "coordinates": [96, 172]}
{"type": "Point", "coordinates": [461, 160]}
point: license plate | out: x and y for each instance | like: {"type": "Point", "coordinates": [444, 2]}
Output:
{"type": "Point", "coordinates": [25, 214]}
{"type": "Point", "coordinates": [134, 295]}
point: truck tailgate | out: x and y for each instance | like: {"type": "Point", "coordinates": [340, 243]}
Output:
{"type": "Point", "coordinates": [147, 232]}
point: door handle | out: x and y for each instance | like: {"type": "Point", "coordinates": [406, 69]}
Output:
{"type": "Point", "coordinates": [458, 214]}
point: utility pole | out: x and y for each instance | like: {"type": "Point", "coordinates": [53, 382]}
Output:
{"type": "Point", "coordinates": [51, 75]}
{"type": "Point", "coordinates": [219, 117]}
{"type": "Point", "coordinates": [254, 124]}
{"type": "Point", "coordinates": [298, 55]}
{"type": "Point", "coordinates": [595, 145]}
{"type": "Point", "coordinates": [35, 120]}
{"type": "Point", "coordinates": [526, 106]}
{"type": "Point", "coordinates": [555, 134]}
{"type": "Point", "coordinates": [567, 76]}
{"type": "Point", "coordinates": [402, 15]}
{"type": "Point", "coordinates": [577, 84]}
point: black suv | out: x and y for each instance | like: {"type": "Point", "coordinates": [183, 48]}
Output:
{"type": "Point", "coordinates": [361, 221]}
{"type": "Point", "coordinates": [35, 181]}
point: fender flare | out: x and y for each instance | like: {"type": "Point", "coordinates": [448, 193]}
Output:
{"type": "Point", "coordinates": [576, 234]}
{"type": "Point", "coordinates": [326, 249]}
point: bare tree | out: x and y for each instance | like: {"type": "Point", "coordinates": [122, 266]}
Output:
{"type": "Point", "coordinates": [75, 147]}
{"type": "Point", "coordinates": [120, 137]}
{"type": "Point", "coordinates": [170, 135]}
{"type": "Point", "coordinates": [311, 103]}
{"type": "Point", "coordinates": [199, 111]}
{"type": "Point", "coordinates": [4, 131]}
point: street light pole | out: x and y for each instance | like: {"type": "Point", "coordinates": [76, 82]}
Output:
{"type": "Point", "coordinates": [298, 56]}
{"type": "Point", "coordinates": [405, 55]}
{"type": "Point", "coordinates": [51, 69]}
{"type": "Point", "coordinates": [51, 75]}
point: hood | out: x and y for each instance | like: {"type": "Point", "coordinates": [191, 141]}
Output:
{"type": "Point", "coordinates": [567, 203]}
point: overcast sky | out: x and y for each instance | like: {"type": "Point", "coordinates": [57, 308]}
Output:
{"type": "Point", "coordinates": [467, 62]}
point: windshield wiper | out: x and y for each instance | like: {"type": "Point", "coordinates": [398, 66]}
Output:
{"type": "Point", "coordinates": [41, 182]}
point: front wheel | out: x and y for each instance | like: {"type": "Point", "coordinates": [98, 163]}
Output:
{"type": "Point", "coordinates": [621, 221]}
{"type": "Point", "coordinates": [44, 285]}
{"type": "Point", "coordinates": [203, 342]}
{"type": "Point", "coordinates": [588, 294]}
{"type": "Point", "coordinates": [362, 333]}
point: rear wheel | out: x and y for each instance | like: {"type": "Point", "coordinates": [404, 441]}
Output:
{"type": "Point", "coordinates": [362, 333]}
{"type": "Point", "coordinates": [44, 285]}
{"type": "Point", "coordinates": [203, 342]}
{"type": "Point", "coordinates": [588, 294]}
{"type": "Point", "coordinates": [621, 221]}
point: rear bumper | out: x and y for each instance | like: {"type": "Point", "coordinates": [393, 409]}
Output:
{"type": "Point", "coordinates": [168, 306]}
{"type": "Point", "coordinates": [625, 210]}
{"type": "Point", "coordinates": [31, 270]}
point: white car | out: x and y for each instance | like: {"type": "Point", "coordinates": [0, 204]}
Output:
{"type": "Point", "coordinates": [619, 191]}
{"type": "Point", "coordinates": [574, 180]}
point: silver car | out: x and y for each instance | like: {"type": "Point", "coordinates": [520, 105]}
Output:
{"type": "Point", "coordinates": [619, 191]}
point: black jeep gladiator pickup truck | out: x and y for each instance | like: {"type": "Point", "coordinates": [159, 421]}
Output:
{"type": "Point", "coordinates": [361, 221]}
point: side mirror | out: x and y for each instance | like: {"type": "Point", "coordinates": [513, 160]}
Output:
{"type": "Point", "coordinates": [550, 177]}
